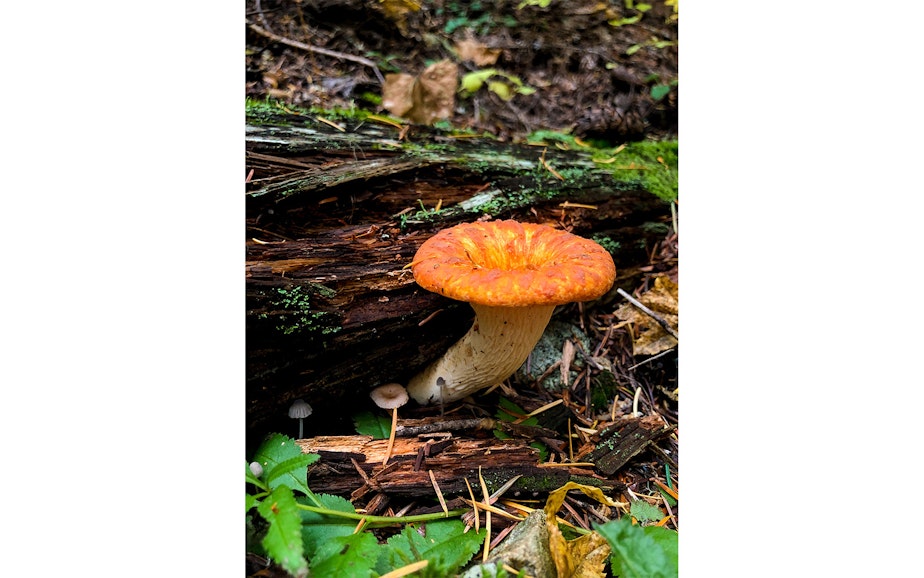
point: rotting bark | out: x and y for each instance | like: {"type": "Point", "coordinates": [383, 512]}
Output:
{"type": "Point", "coordinates": [353, 465]}
{"type": "Point", "coordinates": [333, 219]}
{"type": "Point", "coordinates": [625, 439]}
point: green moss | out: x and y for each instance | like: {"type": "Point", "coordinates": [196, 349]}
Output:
{"type": "Point", "coordinates": [549, 351]}
{"type": "Point", "coordinates": [299, 316]}
{"type": "Point", "coordinates": [640, 161]}
{"type": "Point", "coordinates": [606, 242]}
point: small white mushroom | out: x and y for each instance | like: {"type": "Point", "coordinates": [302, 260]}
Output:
{"type": "Point", "coordinates": [300, 410]}
{"type": "Point", "coordinates": [390, 396]}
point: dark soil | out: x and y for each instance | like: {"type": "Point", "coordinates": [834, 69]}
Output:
{"type": "Point", "coordinates": [591, 78]}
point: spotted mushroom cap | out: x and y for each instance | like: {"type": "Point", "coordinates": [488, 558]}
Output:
{"type": "Point", "coordinates": [389, 396]}
{"type": "Point", "coordinates": [299, 409]}
{"type": "Point", "coordinates": [513, 264]}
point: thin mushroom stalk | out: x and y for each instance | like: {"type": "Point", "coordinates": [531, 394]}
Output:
{"type": "Point", "coordinates": [513, 275]}
{"type": "Point", "coordinates": [499, 341]}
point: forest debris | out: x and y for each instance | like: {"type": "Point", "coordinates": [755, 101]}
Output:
{"type": "Point", "coordinates": [452, 464]}
{"type": "Point", "coordinates": [425, 98]}
{"type": "Point", "coordinates": [481, 55]}
{"type": "Point", "coordinates": [625, 439]}
{"type": "Point", "coordinates": [655, 327]}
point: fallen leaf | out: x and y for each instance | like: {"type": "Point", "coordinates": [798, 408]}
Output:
{"type": "Point", "coordinates": [470, 49]}
{"type": "Point", "coordinates": [396, 93]}
{"type": "Point", "coordinates": [423, 99]}
{"type": "Point", "coordinates": [650, 337]}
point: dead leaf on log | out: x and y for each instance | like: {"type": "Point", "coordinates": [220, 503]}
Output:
{"type": "Point", "coordinates": [423, 99]}
{"type": "Point", "coordinates": [650, 337]}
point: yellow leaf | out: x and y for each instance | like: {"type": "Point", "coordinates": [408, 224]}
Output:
{"type": "Point", "coordinates": [557, 497]}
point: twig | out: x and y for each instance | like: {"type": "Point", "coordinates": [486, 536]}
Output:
{"type": "Point", "coordinates": [650, 313]}
{"type": "Point", "coordinates": [317, 49]}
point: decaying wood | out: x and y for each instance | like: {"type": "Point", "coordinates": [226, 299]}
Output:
{"type": "Point", "coordinates": [353, 465]}
{"type": "Point", "coordinates": [335, 217]}
{"type": "Point", "coordinates": [625, 439]}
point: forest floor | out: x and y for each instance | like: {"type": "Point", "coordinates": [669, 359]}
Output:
{"type": "Point", "coordinates": [605, 72]}
{"type": "Point", "coordinates": [597, 70]}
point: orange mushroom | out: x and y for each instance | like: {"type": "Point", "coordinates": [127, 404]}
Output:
{"type": "Point", "coordinates": [513, 275]}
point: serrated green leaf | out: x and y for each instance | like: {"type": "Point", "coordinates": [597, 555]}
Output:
{"type": "Point", "coordinates": [645, 512]}
{"type": "Point", "coordinates": [444, 543]}
{"type": "Point", "coordinates": [283, 540]}
{"type": "Point", "coordinates": [284, 463]}
{"type": "Point", "coordinates": [370, 424]}
{"type": "Point", "coordinates": [640, 552]}
{"type": "Point", "coordinates": [292, 473]}
{"type": "Point", "coordinates": [659, 91]}
{"type": "Point", "coordinates": [318, 528]}
{"type": "Point", "coordinates": [351, 556]}
{"type": "Point", "coordinates": [250, 502]}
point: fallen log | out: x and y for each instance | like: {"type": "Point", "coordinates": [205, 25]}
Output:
{"type": "Point", "coordinates": [335, 216]}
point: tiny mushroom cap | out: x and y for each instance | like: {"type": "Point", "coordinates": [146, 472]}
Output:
{"type": "Point", "coordinates": [299, 409]}
{"type": "Point", "coordinates": [513, 275]}
{"type": "Point", "coordinates": [389, 396]}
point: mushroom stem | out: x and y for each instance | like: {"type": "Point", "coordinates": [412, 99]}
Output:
{"type": "Point", "coordinates": [391, 436]}
{"type": "Point", "coordinates": [497, 344]}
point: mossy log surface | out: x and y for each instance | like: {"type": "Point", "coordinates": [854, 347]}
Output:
{"type": "Point", "coordinates": [335, 216]}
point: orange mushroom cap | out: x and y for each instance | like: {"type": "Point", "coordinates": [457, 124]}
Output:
{"type": "Point", "coordinates": [513, 264]}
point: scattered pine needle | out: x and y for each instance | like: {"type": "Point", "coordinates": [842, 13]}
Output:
{"type": "Point", "coordinates": [667, 489]}
{"type": "Point", "coordinates": [570, 205]}
{"type": "Point", "coordinates": [406, 570]}
{"type": "Point", "coordinates": [548, 167]}
{"type": "Point", "coordinates": [474, 505]}
{"type": "Point", "coordinates": [566, 464]}
{"type": "Point", "coordinates": [439, 494]}
{"type": "Point", "coordinates": [536, 412]}
{"type": "Point", "coordinates": [429, 317]}
{"type": "Point", "coordinates": [487, 516]}
{"type": "Point", "coordinates": [385, 120]}
{"type": "Point", "coordinates": [330, 123]}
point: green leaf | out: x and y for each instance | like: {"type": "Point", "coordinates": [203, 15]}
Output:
{"type": "Point", "coordinates": [633, 49]}
{"type": "Point", "coordinates": [283, 540]}
{"type": "Point", "coordinates": [472, 81]}
{"type": "Point", "coordinates": [318, 528]}
{"type": "Point", "coordinates": [444, 543]}
{"type": "Point", "coordinates": [526, 90]}
{"type": "Point", "coordinates": [284, 463]}
{"type": "Point", "coordinates": [623, 21]}
{"type": "Point", "coordinates": [640, 552]}
{"type": "Point", "coordinates": [509, 411]}
{"type": "Point", "coordinates": [348, 556]}
{"type": "Point", "coordinates": [370, 424]}
{"type": "Point", "coordinates": [643, 7]}
{"type": "Point", "coordinates": [250, 502]}
{"type": "Point", "coordinates": [292, 472]}
{"type": "Point", "coordinates": [501, 89]}
{"type": "Point", "coordinates": [659, 91]}
{"type": "Point", "coordinates": [645, 512]}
